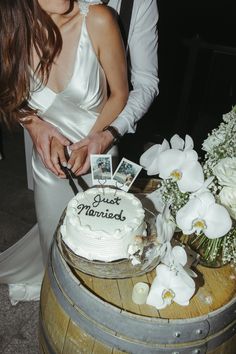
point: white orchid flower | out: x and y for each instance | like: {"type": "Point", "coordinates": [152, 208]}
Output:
{"type": "Point", "coordinates": [182, 167]}
{"type": "Point", "coordinates": [170, 286]}
{"type": "Point", "coordinates": [203, 214]}
{"type": "Point", "coordinates": [165, 226]}
{"type": "Point", "coordinates": [156, 199]}
{"type": "Point", "coordinates": [175, 258]}
{"type": "Point", "coordinates": [180, 144]}
{"type": "Point", "coordinates": [180, 163]}
{"type": "Point", "coordinates": [203, 188]}
{"type": "Point", "coordinates": [149, 158]}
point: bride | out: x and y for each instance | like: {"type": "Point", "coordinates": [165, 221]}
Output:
{"type": "Point", "coordinates": [63, 74]}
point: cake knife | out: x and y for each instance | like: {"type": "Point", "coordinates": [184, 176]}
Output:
{"type": "Point", "coordinates": [84, 186]}
{"type": "Point", "coordinates": [68, 173]}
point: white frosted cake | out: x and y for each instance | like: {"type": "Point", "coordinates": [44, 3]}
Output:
{"type": "Point", "coordinates": [101, 223]}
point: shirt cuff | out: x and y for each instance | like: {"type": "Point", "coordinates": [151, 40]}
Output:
{"type": "Point", "coordinates": [122, 125]}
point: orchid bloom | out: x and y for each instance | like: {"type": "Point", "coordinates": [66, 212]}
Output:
{"type": "Point", "coordinates": [150, 157]}
{"type": "Point", "coordinates": [183, 168]}
{"type": "Point", "coordinates": [165, 225]}
{"type": "Point", "coordinates": [178, 143]}
{"type": "Point", "coordinates": [204, 188]}
{"type": "Point", "coordinates": [176, 258]}
{"type": "Point", "coordinates": [172, 283]}
{"type": "Point", "coordinates": [203, 214]}
{"type": "Point", "coordinates": [156, 199]}
{"type": "Point", "coordinates": [179, 163]}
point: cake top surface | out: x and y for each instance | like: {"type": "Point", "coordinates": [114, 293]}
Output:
{"type": "Point", "coordinates": [105, 209]}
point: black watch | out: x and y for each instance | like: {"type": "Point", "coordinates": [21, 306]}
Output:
{"type": "Point", "coordinates": [114, 132]}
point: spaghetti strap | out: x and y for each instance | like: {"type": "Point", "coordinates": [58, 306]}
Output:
{"type": "Point", "coordinates": [84, 6]}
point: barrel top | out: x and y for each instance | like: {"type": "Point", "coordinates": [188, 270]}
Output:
{"type": "Point", "coordinates": [215, 292]}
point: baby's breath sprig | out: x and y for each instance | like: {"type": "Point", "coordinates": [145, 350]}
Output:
{"type": "Point", "coordinates": [171, 193]}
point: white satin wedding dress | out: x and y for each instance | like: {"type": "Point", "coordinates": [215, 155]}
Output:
{"type": "Point", "coordinates": [73, 111]}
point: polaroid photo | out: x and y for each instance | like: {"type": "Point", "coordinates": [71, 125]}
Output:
{"type": "Point", "coordinates": [125, 174]}
{"type": "Point", "coordinates": [101, 169]}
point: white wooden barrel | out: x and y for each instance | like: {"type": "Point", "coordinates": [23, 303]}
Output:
{"type": "Point", "coordinates": [84, 314]}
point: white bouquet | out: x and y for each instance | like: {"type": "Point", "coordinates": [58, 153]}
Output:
{"type": "Point", "coordinates": [201, 198]}
{"type": "Point", "coordinates": [195, 200]}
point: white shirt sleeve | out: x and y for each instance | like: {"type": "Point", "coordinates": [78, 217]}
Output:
{"type": "Point", "coordinates": [142, 45]}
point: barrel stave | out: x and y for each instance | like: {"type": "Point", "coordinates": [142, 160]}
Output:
{"type": "Point", "coordinates": [77, 341]}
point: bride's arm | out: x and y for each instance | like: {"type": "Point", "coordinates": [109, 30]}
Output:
{"type": "Point", "coordinates": [107, 42]}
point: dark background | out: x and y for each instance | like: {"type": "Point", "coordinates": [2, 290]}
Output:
{"type": "Point", "coordinates": [197, 72]}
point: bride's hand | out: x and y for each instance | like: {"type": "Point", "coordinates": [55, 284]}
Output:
{"type": "Point", "coordinates": [58, 157]}
{"type": "Point", "coordinates": [77, 159]}
{"type": "Point", "coordinates": [41, 133]}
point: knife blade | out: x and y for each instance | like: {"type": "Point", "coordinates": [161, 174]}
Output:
{"type": "Point", "coordinates": [69, 174]}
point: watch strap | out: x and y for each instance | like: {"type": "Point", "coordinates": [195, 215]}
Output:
{"type": "Point", "coordinates": [114, 132]}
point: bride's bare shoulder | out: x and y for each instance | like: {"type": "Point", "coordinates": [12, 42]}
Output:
{"type": "Point", "coordinates": [101, 17]}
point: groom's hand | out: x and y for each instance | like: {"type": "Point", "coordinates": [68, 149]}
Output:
{"type": "Point", "coordinates": [41, 133]}
{"type": "Point", "coordinates": [96, 143]}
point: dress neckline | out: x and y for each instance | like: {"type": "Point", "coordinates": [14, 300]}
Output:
{"type": "Point", "coordinates": [84, 9]}
{"type": "Point", "coordinates": [81, 36]}
{"type": "Point", "coordinates": [74, 66]}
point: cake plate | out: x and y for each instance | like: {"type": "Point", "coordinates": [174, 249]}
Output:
{"type": "Point", "coordinates": [118, 269]}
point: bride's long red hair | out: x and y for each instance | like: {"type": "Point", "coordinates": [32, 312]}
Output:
{"type": "Point", "coordinates": [24, 26]}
